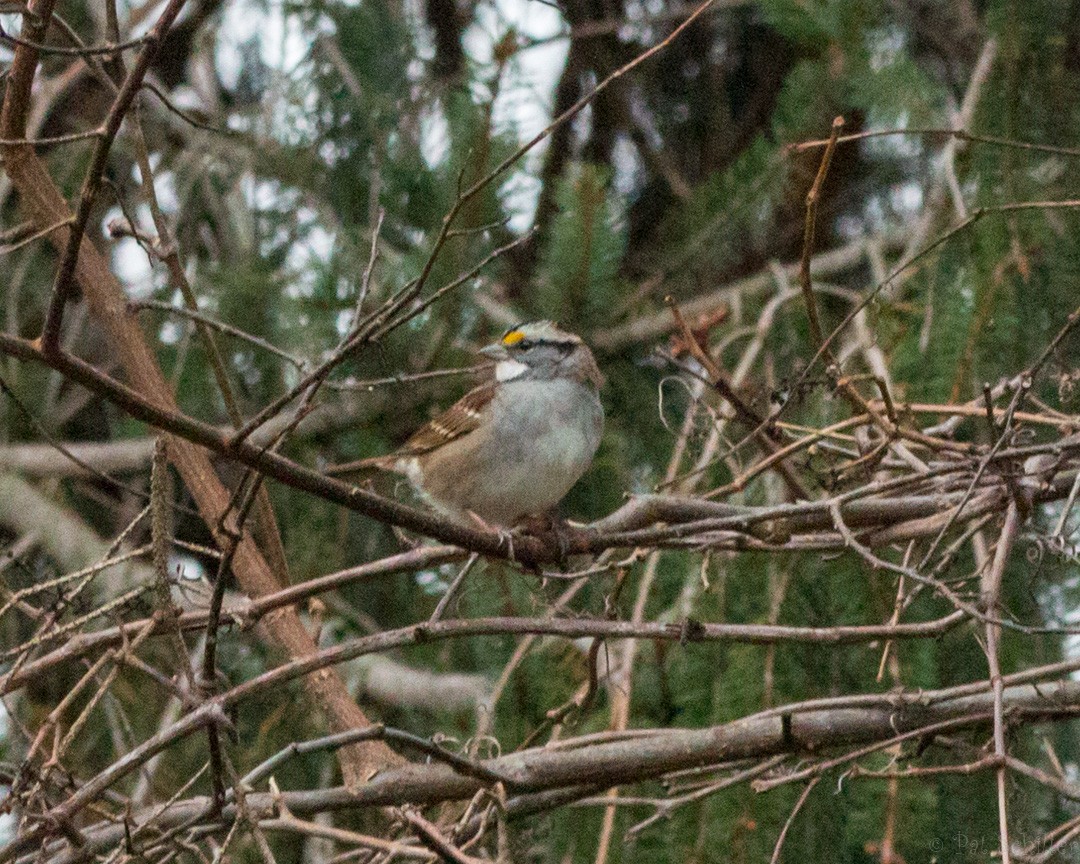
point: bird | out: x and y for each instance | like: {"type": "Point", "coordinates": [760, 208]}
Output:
{"type": "Point", "coordinates": [514, 446]}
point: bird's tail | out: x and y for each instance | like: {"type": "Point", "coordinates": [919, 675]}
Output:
{"type": "Point", "coordinates": [372, 463]}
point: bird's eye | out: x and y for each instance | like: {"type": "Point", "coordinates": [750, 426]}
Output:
{"type": "Point", "coordinates": [524, 345]}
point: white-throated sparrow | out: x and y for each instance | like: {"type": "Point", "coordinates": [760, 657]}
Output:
{"type": "Point", "coordinates": [512, 447]}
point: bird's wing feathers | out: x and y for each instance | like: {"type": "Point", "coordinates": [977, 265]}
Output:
{"type": "Point", "coordinates": [461, 418]}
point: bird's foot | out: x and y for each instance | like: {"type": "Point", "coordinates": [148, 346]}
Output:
{"type": "Point", "coordinates": [505, 537]}
{"type": "Point", "coordinates": [550, 527]}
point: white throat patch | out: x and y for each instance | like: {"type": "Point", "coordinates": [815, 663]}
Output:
{"type": "Point", "coordinates": [508, 370]}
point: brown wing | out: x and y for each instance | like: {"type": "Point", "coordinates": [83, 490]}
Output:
{"type": "Point", "coordinates": [461, 418]}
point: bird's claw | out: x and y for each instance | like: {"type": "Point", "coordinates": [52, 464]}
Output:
{"type": "Point", "coordinates": [506, 537]}
{"type": "Point", "coordinates": [548, 527]}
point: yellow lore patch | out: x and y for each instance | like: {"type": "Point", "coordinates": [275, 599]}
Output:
{"type": "Point", "coordinates": [512, 338]}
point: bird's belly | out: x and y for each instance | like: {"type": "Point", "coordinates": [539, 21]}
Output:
{"type": "Point", "coordinates": [545, 445]}
{"type": "Point", "coordinates": [536, 477]}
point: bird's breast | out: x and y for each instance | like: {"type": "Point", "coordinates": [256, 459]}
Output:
{"type": "Point", "coordinates": [545, 439]}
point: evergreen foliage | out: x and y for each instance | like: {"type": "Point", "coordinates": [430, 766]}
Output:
{"type": "Point", "coordinates": [359, 141]}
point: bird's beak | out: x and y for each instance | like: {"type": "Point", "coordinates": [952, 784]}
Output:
{"type": "Point", "coordinates": [495, 352]}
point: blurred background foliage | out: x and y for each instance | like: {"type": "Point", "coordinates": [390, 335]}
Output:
{"type": "Point", "coordinates": [316, 121]}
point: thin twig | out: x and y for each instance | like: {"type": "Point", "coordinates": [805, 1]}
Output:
{"type": "Point", "coordinates": [791, 819]}
{"type": "Point", "coordinates": [810, 225]}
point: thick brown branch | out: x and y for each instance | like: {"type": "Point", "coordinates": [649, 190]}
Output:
{"type": "Point", "coordinates": [643, 756]}
{"type": "Point", "coordinates": [65, 274]}
{"type": "Point", "coordinates": [44, 203]}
